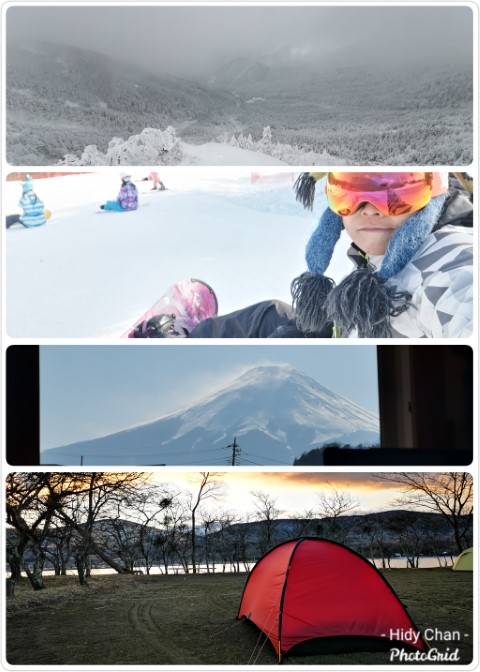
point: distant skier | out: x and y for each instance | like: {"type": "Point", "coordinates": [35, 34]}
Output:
{"type": "Point", "coordinates": [127, 198]}
{"type": "Point", "coordinates": [157, 182]}
{"type": "Point", "coordinates": [33, 207]}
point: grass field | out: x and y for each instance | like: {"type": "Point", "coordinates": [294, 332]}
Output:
{"type": "Point", "coordinates": [191, 620]}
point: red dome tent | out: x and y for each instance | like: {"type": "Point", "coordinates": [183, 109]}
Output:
{"type": "Point", "coordinates": [316, 596]}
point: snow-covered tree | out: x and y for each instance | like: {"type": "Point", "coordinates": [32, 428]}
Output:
{"type": "Point", "coordinates": [266, 141]}
{"type": "Point", "coordinates": [150, 147]}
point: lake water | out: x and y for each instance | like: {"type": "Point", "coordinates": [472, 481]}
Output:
{"type": "Point", "coordinates": [395, 563]}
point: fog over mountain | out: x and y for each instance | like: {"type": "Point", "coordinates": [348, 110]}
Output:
{"type": "Point", "coordinates": [194, 40]}
{"type": "Point", "coordinates": [274, 411]}
{"type": "Point", "coordinates": [368, 85]}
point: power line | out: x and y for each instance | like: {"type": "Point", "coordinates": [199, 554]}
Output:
{"type": "Point", "coordinates": [236, 450]}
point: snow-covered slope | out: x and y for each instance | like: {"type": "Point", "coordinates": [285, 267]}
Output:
{"type": "Point", "coordinates": [88, 273]}
{"type": "Point", "coordinates": [274, 411]}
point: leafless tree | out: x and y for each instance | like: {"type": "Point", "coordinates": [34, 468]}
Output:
{"type": "Point", "coordinates": [334, 504]}
{"type": "Point", "coordinates": [411, 531]}
{"type": "Point", "coordinates": [30, 511]}
{"type": "Point", "coordinates": [303, 523]}
{"type": "Point", "coordinates": [88, 495]}
{"type": "Point", "coordinates": [232, 540]}
{"type": "Point", "coordinates": [267, 513]}
{"type": "Point", "coordinates": [172, 538]}
{"type": "Point", "coordinates": [447, 493]}
{"type": "Point", "coordinates": [373, 530]}
{"type": "Point", "coordinates": [61, 542]}
{"type": "Point", "coordinates": [34, 500]}
{"type": "Point", "coordinates": [209, 488]}
{"type": "Point", "coordinates": [236, 540]}
{"type": "Point", "coordinates": [209, 523]}
{"type": "Point", "coordinates": [144, 506]}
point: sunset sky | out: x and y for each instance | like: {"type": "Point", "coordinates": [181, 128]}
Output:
{"type": "Point", "coordinates": [294, 491]}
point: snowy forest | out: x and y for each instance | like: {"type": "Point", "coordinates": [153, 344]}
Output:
{"type": "Point", "coordinates": [73, 106]}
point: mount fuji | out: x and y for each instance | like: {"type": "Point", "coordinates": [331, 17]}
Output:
{"type": "Point", "coordinates": [274, 411]}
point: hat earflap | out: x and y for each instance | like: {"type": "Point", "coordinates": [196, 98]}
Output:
{"type": "Point", "coordinates": [320, 247]}
{"type": "Point", "coordinates": [363, 301]}
{"type": "Point", "coordinates": [310, 290]}
{"type": "Point", "coordinates": [309, 295]}
{"type": "Point", "coordinates": [410, 236]}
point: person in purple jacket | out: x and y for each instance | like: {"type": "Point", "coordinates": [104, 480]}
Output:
{"type": "Point", "coordinates": [127, 198]}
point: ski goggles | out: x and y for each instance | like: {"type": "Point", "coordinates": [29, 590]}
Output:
{"type": "Point", "coordinates": [392, 193]}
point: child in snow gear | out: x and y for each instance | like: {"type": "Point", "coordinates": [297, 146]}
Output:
{"type": "Point", "coordinates": [33, 207]}
{"type": "Point", "coordinates": [127, 198]}
{"type": "Point", "coordinates": [412, 252]}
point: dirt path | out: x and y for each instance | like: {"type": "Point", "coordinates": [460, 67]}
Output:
{"type": "Point", "coordinates": [191, 620]}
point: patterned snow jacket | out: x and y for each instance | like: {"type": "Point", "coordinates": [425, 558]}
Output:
{"type": "Point", "coordinates": [33, 210]}
{"type": "Point", "coordinates": [439, 278]}
{"type": "Point", "coordinates": [128, 196]}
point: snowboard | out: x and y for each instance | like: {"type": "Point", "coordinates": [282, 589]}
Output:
{"type": "Point", "coordinates": [11, 220]}
{"type": "Point", "coordinates": [183, 306]}
{"type": "Point", "coordinates": [103, 212]}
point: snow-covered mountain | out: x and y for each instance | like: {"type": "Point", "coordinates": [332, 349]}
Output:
{"type": "Point", "coordinates": [61, 99]}
{"type": "Point", "coordinates": [240, 71]}
{"type": "Point", "coordinates": [65, 98]}
{"type": "Point", "coordinates": [274, 411]}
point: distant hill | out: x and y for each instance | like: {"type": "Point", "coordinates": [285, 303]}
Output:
{"type": "Point", "coordinates": [80, 97]}
{"type": "Point", "coordinates": [364, 533]}
{"type": "Point", "coordinates": [359, 526]}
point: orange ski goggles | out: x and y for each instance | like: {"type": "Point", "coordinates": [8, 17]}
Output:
{"type": "Point", "coordinates": [392, 193]}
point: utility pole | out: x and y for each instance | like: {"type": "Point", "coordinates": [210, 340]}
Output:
{"type": "Point", "coordinates": [235, 450]}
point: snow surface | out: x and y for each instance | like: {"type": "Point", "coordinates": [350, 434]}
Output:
{"type": "Point", "coordinates": [88, 273]}
{"type": "Point", "coordinates": [221, 154]}
{"type": "Point", "coordinates": [153, 146]}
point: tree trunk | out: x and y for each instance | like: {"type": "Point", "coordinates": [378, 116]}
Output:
{"type": "Point", "coordinates": [106, 558]}
{"type": "Point", "coordinates": [35, 575]}
{"type": "Point", "coordinates": [194, 545]}
{"type": "Point", "coordinates": [80, 565]}
{"type": "Point", "coordinates": [15, 570]}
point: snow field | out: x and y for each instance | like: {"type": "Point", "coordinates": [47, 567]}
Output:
{"type": "Point", "coordinates": [88, 273]}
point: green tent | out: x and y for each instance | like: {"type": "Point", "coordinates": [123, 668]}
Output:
{"type": "Point", "coordinates": [464, 562]}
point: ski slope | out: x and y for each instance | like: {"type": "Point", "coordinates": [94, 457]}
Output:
{"type": "Point", "coordinates": [91, 274]}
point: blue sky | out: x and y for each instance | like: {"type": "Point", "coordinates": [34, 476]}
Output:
{"type": "Point", "coordinates": [91, 391]}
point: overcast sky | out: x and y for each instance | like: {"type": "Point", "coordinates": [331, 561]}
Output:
{"type": "Point", "coordinates": [191, 40]}
{"type": "Point", "coordinates": [91, 391]}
